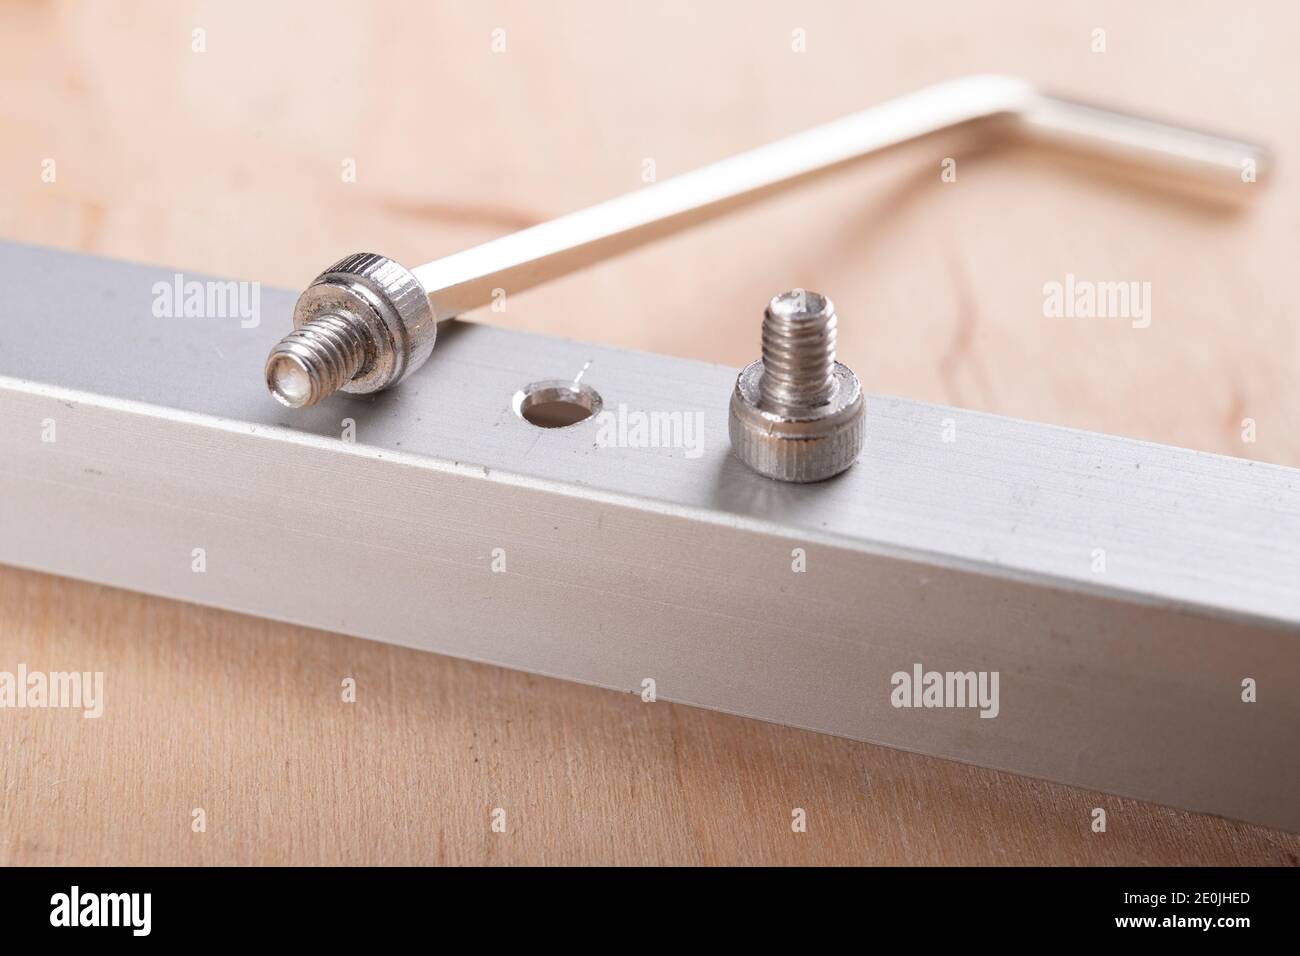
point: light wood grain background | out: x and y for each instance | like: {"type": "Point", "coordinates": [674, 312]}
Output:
{"type": "Point", "coordinates": [229, 161]}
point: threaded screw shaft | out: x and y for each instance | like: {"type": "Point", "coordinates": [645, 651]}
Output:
{"type": "Point", "coordinates": [798, 351]}
{"type": "Point", "coordinates": [314, 361]}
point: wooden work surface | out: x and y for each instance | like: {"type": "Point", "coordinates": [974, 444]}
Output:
{"type": "Point", "coordinates": [230, 161]}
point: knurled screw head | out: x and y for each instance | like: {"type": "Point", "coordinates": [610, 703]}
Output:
{"type": "Point", "coordinates": [797, 414]}
{"type": "Point", "coordinates": [364, 324]}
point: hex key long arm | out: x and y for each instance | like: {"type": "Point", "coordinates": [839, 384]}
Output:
{"type": "Point", "coordinates": [465, 280]}
{"type": "Point", "coordinates": [366, 323]}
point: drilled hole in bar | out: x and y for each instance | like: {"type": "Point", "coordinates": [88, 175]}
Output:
{"type": "Point", "coordinates": [556, 404]}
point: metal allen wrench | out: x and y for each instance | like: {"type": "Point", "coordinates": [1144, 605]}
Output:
{"type": "Point", "coordinates": [366, 322]}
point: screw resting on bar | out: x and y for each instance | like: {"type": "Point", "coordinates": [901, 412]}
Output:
{"type": "Point", "coordinates": [797, 414]}
{"type": "Point", "coordinates": [364, 324]}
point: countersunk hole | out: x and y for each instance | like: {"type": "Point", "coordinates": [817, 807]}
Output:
{"type": "Point", "coordinates": [556, 404]}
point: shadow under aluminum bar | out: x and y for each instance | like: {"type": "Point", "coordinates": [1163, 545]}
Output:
{"type": "Point", "coordinates": [627, 563]}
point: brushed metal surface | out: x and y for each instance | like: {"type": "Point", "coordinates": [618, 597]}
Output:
{"type": "Point", "coordinates": [627, 563]}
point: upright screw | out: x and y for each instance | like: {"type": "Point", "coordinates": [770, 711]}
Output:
{"type": "Point", "coordinates": [797, 414]}
{"type": "Point", "coordinates": [364, 324]}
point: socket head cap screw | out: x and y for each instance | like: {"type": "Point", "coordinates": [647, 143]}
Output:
{"type": "Point", "coordinates": [797, 414]}
{"type": "Point", "coordinates": [363, 324]}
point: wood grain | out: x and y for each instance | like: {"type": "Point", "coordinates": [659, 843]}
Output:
{"type": "Point", "coordinates": [229, 161]}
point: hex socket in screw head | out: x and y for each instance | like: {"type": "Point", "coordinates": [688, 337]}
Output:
{"type": "Point", "coordinates": [363, 324]}
{"type": "Point", "coordinates": [797, 414]}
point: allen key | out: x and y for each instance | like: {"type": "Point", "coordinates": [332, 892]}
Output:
{"type": "Point", "coordinates": [366, 323]}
